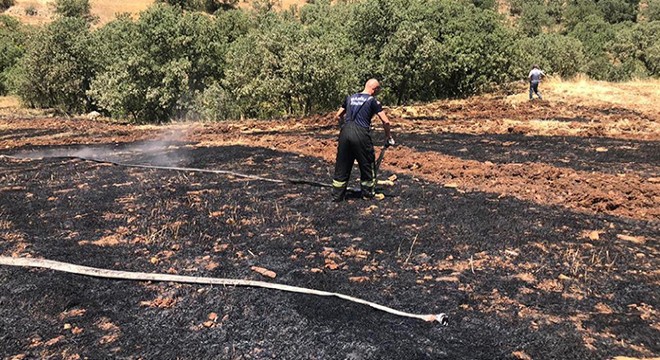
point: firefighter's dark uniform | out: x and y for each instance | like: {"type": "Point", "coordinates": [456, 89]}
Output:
{"type": "Point", "coordinates": [355, 144]}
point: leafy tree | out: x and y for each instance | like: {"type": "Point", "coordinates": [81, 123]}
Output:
{"type": "Point", "coordinates": [154, 69]}
{"type": "Point", "coordinates": [652, 59]}
{"type": "Point", "coordinates": [152, 75]}
{"type": "Point", "coordinates": [485, 4]}
{"type": "Point", "coordinates": [263, 63]}
{"type": "Point", "coordinates": [12, 40]}
{"type": "Point", "coordinates": [578, 11]}
{"type": "Point", "coordinates": [639, 42]}
{"type": "Point", "coordinates": [652, 12]}
{"type": "Point", "coordinates": [284, 69]}
{"type": "Point", "coordinates": [555, 9]}
{"type": "Point", "coordinates": [114, 41]}
{"type": "Point", "coordinates": [516, 6]}
{"type": "Point", "coordinates": [209, 6]}
{"type": "Point", "coordinates": [533, 18]}
{"type": "Point", "coordinates": [478, 51]}
{"type": "Point", "coordinates": [408, 62]}
{"type": "Point", "coordinates": [233, 24]}
{"type": "Point", "coordinates": [594, 32]}
{"type": "Point", "coordinates": [554, 53]}
{"type": "Point", "coordinates": [74, 8]}
{"type": "Point", "coordinates": [56, 69]}
{"type": "Point", "coordinates": [315, 69]}
{"type": "Point", "coordinates": [265, 6]}
{"type": "Point", "coordinates": [616, 11]}
{"type": "Point", "coordinates": [373, 22]}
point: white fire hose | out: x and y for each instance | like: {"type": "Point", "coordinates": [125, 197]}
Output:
{"type": "Point", "coordinates": [140, 276]}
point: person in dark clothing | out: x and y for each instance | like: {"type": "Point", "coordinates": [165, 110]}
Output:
{"type": "Point", "coordinates": [355, 140]}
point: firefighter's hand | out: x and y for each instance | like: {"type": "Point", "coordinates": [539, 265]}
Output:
{"type": "Point", "coordinates": [390, 142]}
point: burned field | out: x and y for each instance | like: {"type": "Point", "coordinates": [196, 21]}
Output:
{"type": "Point", "coordinates": [536, 245]}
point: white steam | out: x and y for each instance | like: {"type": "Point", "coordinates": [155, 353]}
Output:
{"type": "Point", "coordinates": [167, 149]}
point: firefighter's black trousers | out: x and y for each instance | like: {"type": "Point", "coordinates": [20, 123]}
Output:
{"type": "Point", "coordinates": [354, 144]}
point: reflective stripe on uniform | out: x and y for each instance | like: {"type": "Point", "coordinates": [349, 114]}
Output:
{"type": "Point", "coordinates": [338, 184]}
{"type": "Point", "coordinates": [368, 184]}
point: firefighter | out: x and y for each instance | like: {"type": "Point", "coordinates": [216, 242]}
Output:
{"type": "Point", "coordinates": [355, 140]}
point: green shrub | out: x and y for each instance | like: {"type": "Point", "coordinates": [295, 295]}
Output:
{"type": "Point", "coordinates": [209, 6]}
{"type": "Point", "coordinates": [30, 10]}
{"type": "Point", "coordinates": [154, 68]}
{"type": "Point", "coordinates": [12, 42]}
{"type": "Point", "coordinates": [407, 61]}
{"type": "Point", "coordinates": [150, 76]}
{"type": "Point", "coordinates": [642, 43]}
{"type": "Point", "coordinates": [533, 19]}
{"type": "Point", "coordinates": [6, 4]}
{"type": "Point", "coordinates": [578, 11]}
{"type": "Point", "coordinates": [555, 9]}
{"type": "Point", "coordinates": [516, 6]}
{"type": "Point", "coordinates": [56, 69]}
{"type": "Point", "coordinates": [616, 11]}
{"type": "Point", "coordinates": [215, 104]}
{"type": "Point", "coordinates": [173, 61]}
{"type": "Point", "coordinates": [485, 4]}
{"type": "Point", "coordinates": [652, 12]}
{"type": "Point", "coordinates": [594, 32]}
{"type": "Point", "coordinates": [74, 8]}
{"type": "Point", "coordinates": [554, 53]}
{"type": "Point", "coordinates": [284, 69]}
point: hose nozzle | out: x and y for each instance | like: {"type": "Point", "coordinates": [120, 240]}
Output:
{"type": "Point", "coordinates": [441, 318]}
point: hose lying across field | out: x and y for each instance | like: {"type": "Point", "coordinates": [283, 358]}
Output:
{"type": "Point", "coordinates": [140, 276]}
{"type": "Point", "coordinates": [174, 168]}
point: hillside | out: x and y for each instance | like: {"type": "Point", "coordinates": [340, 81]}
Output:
{"type": "Point", "coordinates": [39, 11]}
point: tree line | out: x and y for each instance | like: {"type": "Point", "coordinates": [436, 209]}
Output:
{"type": "Point", "coordinates": [205, 59]}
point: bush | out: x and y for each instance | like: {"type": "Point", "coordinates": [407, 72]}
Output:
{"type": "Point", "coordinates": [74, 8]}
{"type": "Point", "coordinates": [404, 58]}
{"type": "Point", "coordinates": [646, 43]}
{"type": "Point", "coordinates": [285, 69]}
{"type": "Point", "coordinates": [652, 12]}
{"type": "Point", "coordinates": [594, 33]}
{"type": "Point", "coordinates": [151, 75]}
{"type": "Point", "coordinates": [652, 59]}
{"type": "Point", "coordinates": [616, 11]}
{"type": "Point", "coordinates": [12, 40]}
{"type": "Point", "coordinates": [6, 4]}
{"type": "Point", "coordinates": [30, 10]}
{"type": "Point", "coordinates": [578, 11]}
{"type": "Point", "coordinates": [56, 69]}
{"type": "Point", "coordinates": [209, 6]}
{"type": "Point", "coordinates": [154, 68]}
{"type": "Point", "coordinates": [485, 4]}
{"type": "Point", "coordinates": [533, 19]}
{"type": "Point", "coordinates": [480, 53]}
{"type": "Point", "coordinates": [516, 6]}
{"type": "Point", "coordinates": [554, 53]}
{"type": "Point", "coordinates": [262, 63]}
{"type": "Point", "coordinates": [555, 9]}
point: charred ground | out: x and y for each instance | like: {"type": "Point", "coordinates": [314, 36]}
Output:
{"type": "Point", "coordinates": [536, 235]}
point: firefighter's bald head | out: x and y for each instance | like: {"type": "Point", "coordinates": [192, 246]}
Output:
{"type": "Point", "coordinates": [372, 87]}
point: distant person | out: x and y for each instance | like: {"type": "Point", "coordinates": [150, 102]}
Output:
{"type": "Point", "coordinates": [355, 140]}
{"type": "Point", "coordinates": [535, 77]}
